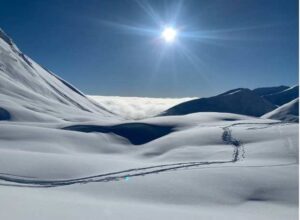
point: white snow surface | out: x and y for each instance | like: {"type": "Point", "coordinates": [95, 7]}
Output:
{"type": "Point", "coordinates": [197, 166]}
{"type": "Point", "coordinates": [31, 93]}
{"type": "Point", "coordinates": [137, 107]}
{"type": "Point", "coordinates": [288, 112]}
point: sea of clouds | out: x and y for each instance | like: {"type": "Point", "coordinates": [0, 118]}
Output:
{"type": "Point", "coordinates": [137, 107]}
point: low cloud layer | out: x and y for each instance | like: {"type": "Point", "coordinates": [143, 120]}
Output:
{"type": "Point", "coordinates": [137, 107]}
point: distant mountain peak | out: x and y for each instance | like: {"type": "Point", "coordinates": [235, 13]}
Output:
{"type": "Point", "coordinates": [239, 101]}
{"type": "Point", "coordinates": [262, 91]}
{"type": "Point", "coordinates": [281, 97]}
{"type": "Point", "coordinates": [235, 91]}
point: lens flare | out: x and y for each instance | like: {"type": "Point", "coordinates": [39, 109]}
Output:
{"type": "Point", "coordinates": [169, 34]}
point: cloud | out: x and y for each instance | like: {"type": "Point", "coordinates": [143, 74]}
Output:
{"type": "Point", "coordinates": [137, 107]}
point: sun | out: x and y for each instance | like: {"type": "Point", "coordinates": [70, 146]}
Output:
{"type": "Point", "coordinates": [169, 34]}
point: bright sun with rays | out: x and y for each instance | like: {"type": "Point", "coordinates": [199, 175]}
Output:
{"type": "Point", "coordinates": [169, 34]}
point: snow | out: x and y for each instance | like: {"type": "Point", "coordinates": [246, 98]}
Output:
{"type": "Point", "coordinates": [291, 88]}
{"type": "Point", "coordinates": [207, 179]}
{"type": "Point", "coordinates": [288, 112]}
{"type": "Point", "coordinates": [207, 166]}
{"type": "Point", "coordinates": [238, 101]}
{"type": "Point", "coordinates": [27, 87]}
{"type": "Point", "coordinates": [283, 97]}
{"type": "Point", "coordinates": [263, 91]}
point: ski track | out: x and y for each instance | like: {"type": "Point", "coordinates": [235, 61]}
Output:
{"type": "Point", "coordinates": [238, 154]}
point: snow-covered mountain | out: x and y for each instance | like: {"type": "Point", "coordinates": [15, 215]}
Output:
{"type": "Point", "coordinates": [62, 156]}
{"type": "Point", "coordinates": [282, 97]}
{"type": "Point", "coordinates": [255, 102]}
{"type": "Point", "coordinates": [29, 92]}
{"type": "Point", "coordinates": [269, 90]}
{"type": "Point", "coordinates": [288, 112]}
{"type": "Point", "coordinates": [238, 101]}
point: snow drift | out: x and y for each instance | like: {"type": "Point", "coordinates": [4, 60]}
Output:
{"type": "Point", "coordinates": [288, 112]}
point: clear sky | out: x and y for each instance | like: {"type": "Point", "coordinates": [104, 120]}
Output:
{"type": "Point", "coordinates": [114, 47]}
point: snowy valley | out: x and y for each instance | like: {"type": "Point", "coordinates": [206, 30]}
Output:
{"type": "Point", "coordinates": [65, 155]}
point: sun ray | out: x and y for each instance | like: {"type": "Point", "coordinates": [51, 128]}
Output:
{"type": "Point", "coordinates": [146, 6]}
{"type": "Point", "coordinates": [131, 28]}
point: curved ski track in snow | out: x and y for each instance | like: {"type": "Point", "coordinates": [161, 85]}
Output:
{"type": "Point", "coordinates": [238, 153]}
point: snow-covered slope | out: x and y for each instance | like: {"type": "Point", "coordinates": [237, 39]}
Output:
{"type": "Point", "coordinates": [239, 101]}
{"type": "Point", "coordinates": [269, 90]}
{"type": "Point", "coordinates": [29, 92]}
{"type": "Point", "coordinates": [288, 112]}
{"type": "Point", "coordinates": [241, 166]}
{"type": "Point", "coordinates": [64, 157]}
{"type": "Point", "coordinates": [283, 97]}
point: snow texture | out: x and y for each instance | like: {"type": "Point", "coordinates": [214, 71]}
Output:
{"type": "Point", "coordinates": [288, 112]}
{"type": "Point", "coordinates": [238, 101]}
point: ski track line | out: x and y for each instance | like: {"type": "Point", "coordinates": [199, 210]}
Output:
{"type": "Point", "coordinates": [227, 138]}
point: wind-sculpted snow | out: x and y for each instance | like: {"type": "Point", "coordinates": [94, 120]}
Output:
{"type": "Point", "coordinates": [288, 112]}
{"type": "Point", "coordinates": [107, 177]}
{"type": "Point", "coordinates": [135, 130]}
{"type": "Point", "coordinates": [208, 160]}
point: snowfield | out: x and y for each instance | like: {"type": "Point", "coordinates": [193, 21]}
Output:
{"type": "Point", "coordinates": [243, 167]}
{"type": "Point", "coordinates": [287, 112]}
{"type": "Point", "coordinates": [64, 156]}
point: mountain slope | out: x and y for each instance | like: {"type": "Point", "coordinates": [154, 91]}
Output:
{"type": "Point", "coordinates": [288, 112]}
{"type": "Point", "coordinates": [282, 97]}
{"type": "Point", "coordinates": [269, 90]}
{"type": "Point", "coordinates": [238, 101]}
{"type": "Point", "coordinates": [29, 92]}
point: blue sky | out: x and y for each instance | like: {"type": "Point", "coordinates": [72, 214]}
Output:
{"type": "Point", "coordinates": [113, 47]}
